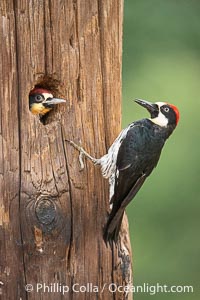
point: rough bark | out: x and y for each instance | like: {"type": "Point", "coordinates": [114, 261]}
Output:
{"type": "Point", "coordinates": [52, 214]}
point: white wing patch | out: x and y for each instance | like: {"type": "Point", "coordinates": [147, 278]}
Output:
{"type": "Point", "coordinates": [109, 160]}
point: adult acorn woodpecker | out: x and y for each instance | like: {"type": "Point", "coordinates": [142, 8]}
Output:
{"type": "Point", "coordinates": [132, 157]}
{"type": "Point", "coordinates": [41, 101]}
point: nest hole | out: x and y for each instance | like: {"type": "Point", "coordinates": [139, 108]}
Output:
{"type": "Point", "coordinates": [55, 86]}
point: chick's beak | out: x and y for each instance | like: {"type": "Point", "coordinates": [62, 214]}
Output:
{"type": "Point", "coordinates": [151, 107]}
{"type": "Point", "coordinates": [54, 101]}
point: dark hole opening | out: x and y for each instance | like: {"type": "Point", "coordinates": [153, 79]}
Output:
{"type": "Point", "coordinates": [54, 86]}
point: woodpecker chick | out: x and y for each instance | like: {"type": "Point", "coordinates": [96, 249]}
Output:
{"type": "Point", "coordinates": [41, 101]}
{"type": "Point", "coordinates": [132, 157]}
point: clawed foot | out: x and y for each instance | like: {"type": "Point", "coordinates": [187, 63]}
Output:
{"type": "Point", "coordinates": [82, 153]}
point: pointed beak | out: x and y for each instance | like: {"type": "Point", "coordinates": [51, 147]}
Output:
{"type": "Point", "coordinates": [151, 107]}
{"type": "Point", "coordinates": [54, 101]}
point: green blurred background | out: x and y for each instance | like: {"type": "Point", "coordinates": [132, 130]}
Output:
{"type": "Point", "coordinates": [161, 62]}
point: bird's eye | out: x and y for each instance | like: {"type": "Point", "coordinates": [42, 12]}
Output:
{"type": "Point", "coordinates": [166, 109]}
{"type": "Point", "coordinates": [38, 98]}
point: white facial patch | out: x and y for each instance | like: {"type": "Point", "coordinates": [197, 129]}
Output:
{"type": "Point", "coordinates": [160, 103]}
{"type": "Point", "coordinates": [47, 95]}
{"type": "Point", "coordinates": [160, 120]}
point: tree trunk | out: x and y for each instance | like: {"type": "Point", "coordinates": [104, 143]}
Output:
{"type": "Point", "coordinates": [52, 214]}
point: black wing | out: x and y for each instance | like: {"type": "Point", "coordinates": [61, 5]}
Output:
{"type": "Point", "coordinates": [135, 161]}
{"type": "Point", "coordinates": [115, 218]}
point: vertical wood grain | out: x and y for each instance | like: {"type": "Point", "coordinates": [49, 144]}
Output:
{"type": "Point", "coordinates": [12, 276]}
{"type": "Point", "coordinates": [58, 211]}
